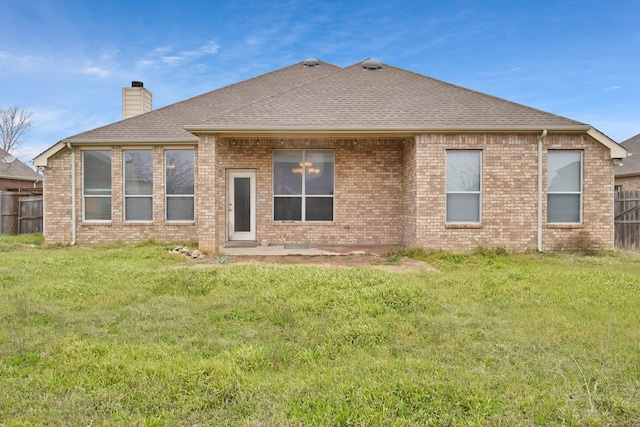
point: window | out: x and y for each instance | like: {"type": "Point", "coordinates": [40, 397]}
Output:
{"type": "Point", "coordinates": [179, 183]}
{"type": "Point", "coordinates": [96, 185]}
{"type": "Point", "coordinates": [564, 186]}
{"type": "Point", "coordinates": [303, 185]}
{"type": "Point", "coordinates": [463, 185]}
{"type": "Point", "coordinates": [138, 185]}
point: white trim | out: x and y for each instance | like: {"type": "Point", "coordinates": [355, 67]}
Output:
{"type": "Point", "coordinates": [139, 196]}
{"type": "Point", "coordinates": [233, 235]}
{"type": "Point", "coordinates": [580, 193]}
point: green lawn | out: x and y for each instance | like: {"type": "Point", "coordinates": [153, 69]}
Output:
{"type": "Point", "coordinates": [124, 335]}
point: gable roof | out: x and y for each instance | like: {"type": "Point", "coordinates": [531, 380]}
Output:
{"type": "Point", "coordinates": [167, 124]}
{"type": "Point", "coordinates": [631, 165]}
{"type": "Point", "coordinates": [330, 99]}
{"type": "Point", "coordinates": [17, 170]}
{"type": "Point", "coordinates": [389, 98]}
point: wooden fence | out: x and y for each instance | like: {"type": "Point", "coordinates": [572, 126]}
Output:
{"type": "Point", "coordinates": [627, 220]}
{"type": "Point", "coordinates": [20, 213]}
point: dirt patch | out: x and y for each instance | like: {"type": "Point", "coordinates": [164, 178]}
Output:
{"type": "Point", "coordinates": [348, 260]}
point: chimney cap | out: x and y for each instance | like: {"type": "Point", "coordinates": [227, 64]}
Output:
{"type": "Point", "coordinates": [137, 84]}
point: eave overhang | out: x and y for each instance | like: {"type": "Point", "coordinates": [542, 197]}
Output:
{"type": "Point", "coordinates": [41, 159]}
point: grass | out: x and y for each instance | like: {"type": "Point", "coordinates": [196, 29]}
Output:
{"type": "Point", "coordinates": [131, 335]}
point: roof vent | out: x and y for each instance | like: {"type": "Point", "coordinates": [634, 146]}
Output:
{"type": "Point", "coordinates": [137, 84]}
{"type": "Point", "coordinates": [372, 64]}
{"type": "Point", "coordinates": [311, 62]}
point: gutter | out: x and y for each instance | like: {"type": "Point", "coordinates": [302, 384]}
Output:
{"type": "Point", "coordinates": [372, 130]}
{"type": "Point", "coordinates": [540, 191]}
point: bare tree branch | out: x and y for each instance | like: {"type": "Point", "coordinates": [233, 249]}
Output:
{"type": "Point", "coordinates": [14, 124]}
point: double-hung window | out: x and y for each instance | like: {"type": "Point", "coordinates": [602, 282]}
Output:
{"type": "Point", "coordinates": [464, 181]}
{"type": "Point", "coordinates": [96, 185]}
{"type": "Point", "coordinates": [179, 185]}
{"type": "Point", "coordinates": [564, 186]}
{"type": "Point", "coordinates": [138, 185]}
{"type": "Point", "coordinates": [303, 185]}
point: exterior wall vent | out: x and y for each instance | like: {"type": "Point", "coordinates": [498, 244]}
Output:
{"type": "Point", "coordinates": [311, 62]}
{"type": "Point", "coordinates": [372, 64]}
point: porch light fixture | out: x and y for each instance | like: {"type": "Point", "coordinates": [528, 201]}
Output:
{"type": "Point", "coordinates": [617, 162]}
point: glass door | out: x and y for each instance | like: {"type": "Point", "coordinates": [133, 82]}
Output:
{"type": "Point", "coordinates": [241, 204]}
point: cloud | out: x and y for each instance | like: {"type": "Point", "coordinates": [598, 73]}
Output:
{"type": "Point", "coordinates": [172, 60]}
{"type": "Point", "coordinates": [96, 71]}
{"type": "Point", "coordinates": [168, 55]}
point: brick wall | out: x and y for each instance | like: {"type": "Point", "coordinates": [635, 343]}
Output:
{"type": "Point", "coordinates": [368, 191]}
{"type": "Point", "coordinates": [387, 191]}
{"type": "Point", "coordinates": [628, 183]}
{"type": "Point", "coordinates": [58, 196]}
{"type": "Point", "coordinates": [509, 194]}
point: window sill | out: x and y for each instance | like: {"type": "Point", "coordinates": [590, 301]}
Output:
{"type": "Point", "coordinates": [461, 225]}
{"type": "Point", "coordinates": [303, 223]}
{"type": "Point", "coordinates": [565, 225]}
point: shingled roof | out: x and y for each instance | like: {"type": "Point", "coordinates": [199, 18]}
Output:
{"type": "Point", "coordinates": [381, 99]}
{"type": "Point", "coordinates": [631, 165]}
{"type": "Point", "coordinates": [16, 170]}
{"type": "Point", "coordinates": [167, 124]}
{"type": "Point", "coordinates": [330, 99]}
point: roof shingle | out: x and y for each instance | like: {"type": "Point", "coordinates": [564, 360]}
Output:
{"type": "Point", "coordinates": [329, 97]}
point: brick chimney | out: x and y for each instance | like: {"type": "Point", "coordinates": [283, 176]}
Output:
{"type": "Point", "coordinates": [136, 100]}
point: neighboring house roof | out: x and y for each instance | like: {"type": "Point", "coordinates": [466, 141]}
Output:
{"type": "Point", "coordinates": [631, 165]}
{"type": "Point", "coordinates": [16, 170]}
{"type": "Point", "coordinates": [329, 99]}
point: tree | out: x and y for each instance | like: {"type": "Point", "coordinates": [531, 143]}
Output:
{"type": "Point", "coordinates": [14, 124]}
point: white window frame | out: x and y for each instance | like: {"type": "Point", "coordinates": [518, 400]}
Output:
{"type": "Point", "coordinates": [303, 196]}
{"type": "Point", "coordinates": [169, 196]}
{"type": "Point", "coordinates": [91, 196]}
{"type": "Point", "coordinates": [135, 196]}
{"type": "Point", "coordinates": [579, 192]}
{"type": "Point", "coordinates": [477, 192]}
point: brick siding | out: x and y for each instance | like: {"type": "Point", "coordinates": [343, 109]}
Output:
{"type": "Point", "coordinates": [387, 191]}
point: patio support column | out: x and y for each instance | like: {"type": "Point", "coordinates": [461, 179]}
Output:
{"type": "Point", "coordinates": [207, 193]}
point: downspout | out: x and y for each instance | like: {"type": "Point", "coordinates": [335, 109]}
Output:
{"type": "Point", "coordinates": [73, 194]}
{"type": "Point", "coordinates": [540, 190]}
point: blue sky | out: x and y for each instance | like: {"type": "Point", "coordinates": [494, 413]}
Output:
{"type": "Point", "coordinates": [67, 60]}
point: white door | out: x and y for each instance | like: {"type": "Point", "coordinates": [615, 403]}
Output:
{"type": "Point", "coordinates": [241, 204]}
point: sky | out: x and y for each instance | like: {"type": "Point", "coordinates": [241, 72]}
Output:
{"type": "Point", "coordinates": [67, 61]}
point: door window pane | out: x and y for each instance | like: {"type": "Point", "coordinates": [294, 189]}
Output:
{"type": "Point", "coordinates": [242, 204]}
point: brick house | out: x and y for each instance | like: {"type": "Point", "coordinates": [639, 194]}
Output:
{"type": "Point", "coordinates": [16, 176]}
{"type": "Point", "coordinates": [627, 175]}
{"type": "Point", "coordinates": [314, 153]}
